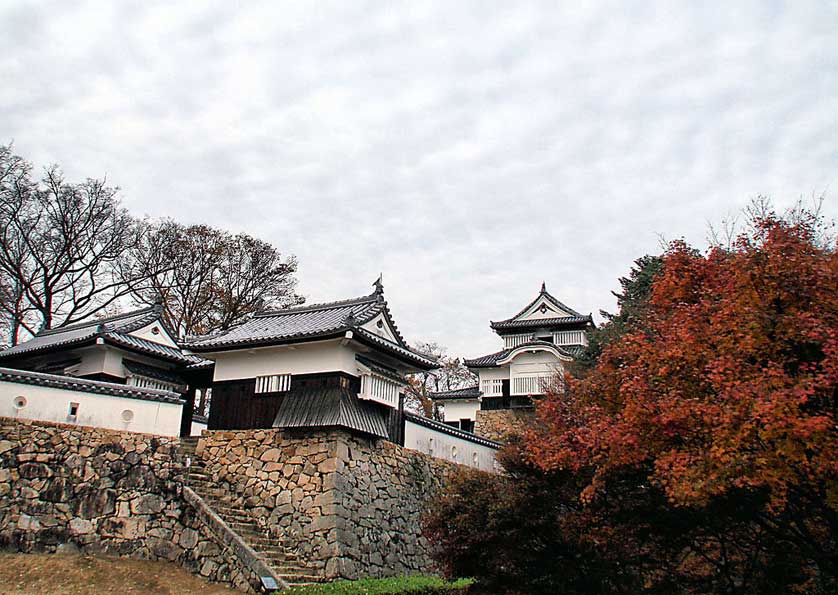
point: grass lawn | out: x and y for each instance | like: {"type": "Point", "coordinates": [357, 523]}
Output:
{"type": "Point", "coordinates": [408, 585]}
{"type": "Point", "coordinates": [50, 574]}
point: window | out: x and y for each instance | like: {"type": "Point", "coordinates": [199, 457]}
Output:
{"type": "Point", "coordinates": [475, 460]}
{"type": "Point", "coordinates": [453, 453]}
{"type": "Point", "coordinates": [380, 389]}
{"type": "Point", "coordinates": [146, 382]}
{"type": "Point", "coordinates": [73, 413]}
{"type": "Point", "coordinates": [277, 383]}
{"type": "Point", "coordinates": [127, 415]}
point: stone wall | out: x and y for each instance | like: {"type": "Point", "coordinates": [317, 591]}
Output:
{"type": "Point", "coordinates": [285, 481]}
{"type": "Point", "coordinates": [499, 424]}
{"type": "Point", "coordinates": [106, 492]}
{"type": "Point", "coordinates": [351, 506]}
{"type": "Point", "coordinates": [384, 490]}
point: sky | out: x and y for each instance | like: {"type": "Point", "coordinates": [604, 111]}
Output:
{"type": "Point", "coordinates": [467, 151]}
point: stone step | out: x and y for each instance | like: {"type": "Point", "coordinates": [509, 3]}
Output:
{"type": "Point", "coordinates": [293, 570]}
{"type": "Point", "coordinates": [305, 578]}
{"type": "Point", "coordinates": [284, 556]}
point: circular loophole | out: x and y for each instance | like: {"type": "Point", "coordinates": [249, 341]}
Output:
{"type": "Point", "coordinates": [454, 452]}
{"type": "Point", "coordinates": [19, 402]}
{"type": "Point", "coordinates": [155, 331]}
{"type": "Point", "coordinates": [474, 458]}
{"type": "Point", "coordinates": [127, 415]}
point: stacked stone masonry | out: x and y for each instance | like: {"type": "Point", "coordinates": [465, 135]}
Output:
{"type": "Point", "coordinates": [107, 492]}
{"type": "Point", "coordinates": [348, 505]}
{"type": "Point", "coordinates": [500, 424]}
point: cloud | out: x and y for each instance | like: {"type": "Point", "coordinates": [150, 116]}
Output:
{"type": "Point", "coordinates": [466, 150]}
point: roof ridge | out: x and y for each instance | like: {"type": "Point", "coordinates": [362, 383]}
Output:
{"type": "Point", "coordinates": [96, 321]}
{"type": "Point", "coordinates": [74, 382]}
{"type": "Point", "coordinates": [405, 347]}
{"type": "Point", "coordinates": [372, 298]}
{"type": "Point", "coordinates": [549, 296]}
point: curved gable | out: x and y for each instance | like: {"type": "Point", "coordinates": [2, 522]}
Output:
{"type": "Point", "coordinates": [529, 349]}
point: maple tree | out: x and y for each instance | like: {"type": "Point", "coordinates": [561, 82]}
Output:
{"type": "Point", "coordinates": [723, 389]}
{"type": "Point", "coordinates": [692, 450]}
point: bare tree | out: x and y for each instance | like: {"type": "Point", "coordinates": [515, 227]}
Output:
{"type": "Point", "coordinates": [253, 276]}
{"type": "Point", "coordinates": [60, 246]}
{"type": "Point", "coordinates": [450, 375]}
{"type": "Point", "coordinates": [209, 279]}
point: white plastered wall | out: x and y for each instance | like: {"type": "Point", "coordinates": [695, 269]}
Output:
{"type": "Point", "coordinates": [106, 359]}
{"type": "Point", "coordinates": [101, 411]}
{"type": "Point", "coordinates": [197, 428]}
{"type": "Point", "coordinates": [448, 447]}
{"type": "Point", "coordinates": [501, 372]}
{"type": "Point", "coordinates": [457, 410]}
{"type": "Point", "coordinates": [540, 362]}
{"type": "Point", "coordinates": [302, 358]}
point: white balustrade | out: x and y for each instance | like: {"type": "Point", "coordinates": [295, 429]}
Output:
{"type": "Point", "coordinates": [380, 389]}
{"type": "Point", "coordinates": [530, 385]}
{"type": "Point", "coordinates": [515, 340]}
{"type": "Point", "coordinates": [569, 338]}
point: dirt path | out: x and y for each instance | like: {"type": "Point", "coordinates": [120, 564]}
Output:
{"type": "Point", "coordinates": [50, 574]}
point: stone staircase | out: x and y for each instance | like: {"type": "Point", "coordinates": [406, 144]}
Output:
{"type": "Point", "coordinates": [284, 563]}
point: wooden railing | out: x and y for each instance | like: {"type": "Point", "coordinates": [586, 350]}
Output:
{"type": "Point", "coordinates": [530, 385]}
{"type": "Point", "coordinates": [569, 338]}
{"type": "Point", "coordinates": [379, 389]}
{"type": "Point", "coordinates": [515, 340]}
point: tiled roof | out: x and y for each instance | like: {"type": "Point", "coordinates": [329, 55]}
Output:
{"type": "Point", "coordinates": [574, 318]}
{"type": "Point", "coordinates": [201, 364]}
{"type": "Point", "coordinates": [114, 330]}
{"type": "Point", "coordinates": [452, 431]}
{"type": "Point", "coordinates": [319, 407]}
{"type": "Point", "coordinates": [471, 392]}
{"type": "Point", "coordinates": [151, 348]}
{"type": "Point", "coordinates": [294, 323]}
{"type": "Point", "coordinates": [491, 360]}
{"type": "Point", "coordinates": [380, 369]}
{"type": "Point", "coordinates": [418, 358]}
{"type": "Point", "coordinates": [542, 323]}
{"type": "Point", "coordinates": [313, 321]}
{"type": "Point", "coordinates": [88, 386]}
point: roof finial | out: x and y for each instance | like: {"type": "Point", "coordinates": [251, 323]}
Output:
{"type": "Point", "coordinates": [350, 320]}
{"type": "Point", "coordinates": [379, 286]}
{"type": "Point", "coordinates": [543, 287]}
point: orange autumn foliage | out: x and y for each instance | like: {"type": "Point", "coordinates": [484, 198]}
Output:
{"type": "Point", "coordinates": [728, 382]}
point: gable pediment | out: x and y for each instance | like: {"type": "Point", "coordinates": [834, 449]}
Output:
{"type": "Point", "coordinates": [381, 326]}
{"type": "Point", "coordinates": [156, 333]}
{"type": "Point", "coordinates": [543, 308]}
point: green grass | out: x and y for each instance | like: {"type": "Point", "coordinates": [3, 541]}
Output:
{"type": "Point", "coordinates": [412, 585]}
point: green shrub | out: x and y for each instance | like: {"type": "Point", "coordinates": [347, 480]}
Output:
{"type": "Point", "coordinates": [404, 585]}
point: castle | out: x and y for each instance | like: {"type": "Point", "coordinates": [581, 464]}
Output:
{"type": "Point", "coordinates": [305, 465]}
{"type": "Point", "coordinates": [537, 342]}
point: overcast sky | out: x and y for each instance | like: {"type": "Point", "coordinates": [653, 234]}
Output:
{"type": "Point", "coordinates": [467, 151]}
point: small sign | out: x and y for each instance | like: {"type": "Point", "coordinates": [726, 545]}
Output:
{"type": "Point", "coordinates": [268, 584]}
